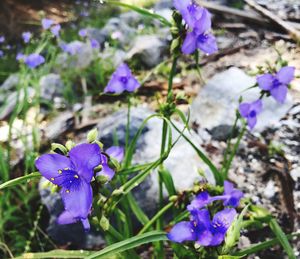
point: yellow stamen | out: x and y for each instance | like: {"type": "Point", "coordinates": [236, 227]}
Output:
{"type": "Point", "coordinates": [52, 179]}
{"type": "Point", "coordinates": [76, 176]}
{"type": "Point", "coordinates": [60, 171]}
{"type": "Point", "coordinates": [67, 191]}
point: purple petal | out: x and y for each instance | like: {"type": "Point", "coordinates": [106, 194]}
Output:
{"type": "Point", "coordinates": [106, 171]}
{"type": "Point", "coordinates": [200, 218]}
{"type": "Point", "coordinates": [228, 187]}
{"type": "Point", "coordinates": [78, 199]}
{"type": "Point", "coordinates": [116, 152]}
{"type": "Point", "coordinates": [132, 84]}
{"type": "Point", "coordinates": [207, 43]}
{"type": "Point", "coordinates": [94, 44]}
{"type": "Point", "coordinates": [279, 93]}
{"type": "Point", "coordinates": [265, 81]}
{"type": "Point", "coordinates": [244, 109]}
{"type": "Point", "coordinates": [66, 218]}
{"type": "Point", "coordinates": [181, 5]}
{"type": "Point", "coordinates": [251, 122]}
{"type": "Point", "coordinates": [50, 165]}
{"type": "Point", "coordinates": [285, 75]}
{"type": "Point", "coordinates": [86, 224]}
{"type": "Point", "coordinates": [34, 60]}
{"type": "Point", "coordinates": [55, 30]}
{"type": "Point", "coordinates": [257, 106]}
{"type": "Point", "coordinates": [182, 231]}
{"type": "Point", "coordinates": [46, 23]}
{"type": "Point", "coordinates": [204, 23]}
{"type": "Point", "coordinates": [217, 239]}
{"type": "Point", "coordinates": [114, 86]}
{"type": "Point", "coordinates": [234, 200]}
{"type": "Point", "coordinates": [205, 238]}
{"type": "Point", "coordinates": [200, 201]}
{"type": "Point", "coordinates": [85, 158]}
{"type": "Point", "coordinates": [189, 44]}
{"type": "Point", "coordinates": [223, 220]}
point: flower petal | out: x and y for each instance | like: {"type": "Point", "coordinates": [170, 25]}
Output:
{"type": "Point", "coordinates": [223, 220]}
{"type": "Point", "coordinates": [66, 218]}
{"type": "Point", "coordinates": [228, 187]}
{"type": "Point", "coordinates": [106, 171]}
{"type": "Point", "coordinates": [204, 23]}
{"type": "Point", "coordinates": [78, 199]}
{"type": "Point", "coordinates": [265, 81]}
{"type": "Point", "coordinates": [251, 122]}
{"type": "Point", "coordinates": [207, 45]}
{"type": "Point", "coordinates": [182, 231]}
{"type": "Point", "coordinates": [201, 219]}
{"type": "Point", "coordinates": [286, 74]}
{"type": "Point", "coordinates": [189, 44]}
{"type": "Point", "coordinates": [200, 201]}
{"type": "Point", "coordinates": [181, 5]}
{"type": "Point", "coordinates": [257, 106]}
{"type": "Point", "coordinates": [114, 86]}
{"type": "Point", "coordinates": [244, 109]}
{"type": "Point", "coordinates": [279, 93]}
{"type": "Point", "coordinates": [132, 84]}
{"type": "Point", "coordinates": [116, 152]}
{"type": "Point", "coordinates": [49, 166]}
{"type": "Point", "coordinates": [85, 158]}
{"type": "Point", "coordinates": [205, 238]}
{"type": "Point", "coordinates": [234, 200]}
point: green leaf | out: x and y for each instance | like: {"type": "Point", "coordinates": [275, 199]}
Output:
{"type": "Point", "coordinates": [19, 180]}
{"type": "Point", "coordinates": [141, 216]}
{"type": "Point", "coordinates": [168, 181]}
{"type": "Point", "coordinates": [142, 11]}
{"type": "Point", "coordinates": [229, 257]}
{"type": "Point", "coordinates": [130, 243]}
{"type": "Point", "coordinates": [263, 245]}
{"type": "Point", "coordinates": [282, 238]}
{"type": "Point", "coordinates": [57, 254]}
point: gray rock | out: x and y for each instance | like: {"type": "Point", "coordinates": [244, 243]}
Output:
{"type": "Point", "coordinates": [51, 86]}
{"type": "Point", "coordinates": [222, 132]}
{"type": "Point", "coordinates": [148, 50]}
{"type": "Point", "coordinates": [218, 100]}
{"type": "Point", "coordinates": [163, 4]}
{"type": "Point", "coordinates": [10, 83]}
{"type": "Point", "coordinates": [183, 162]}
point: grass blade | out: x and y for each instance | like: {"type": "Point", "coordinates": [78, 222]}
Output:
{"type": "Point", "coordinates": [130, 243]}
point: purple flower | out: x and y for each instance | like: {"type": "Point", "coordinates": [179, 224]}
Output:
{"type": "Point", "coordinates": [73, 174]}
{"type": "Point", "coordinates": [277, 84]}
{"type": "Point", "coordinates": [202, 229]}
{"type": "Point", "coordinates": [47, 23]}
{"type": "Point", "coordinates": [1, 53]}
{"type": "Point", "coordinates": [250, 111]}
{"type": "Point", "coordinates": [55, 30]}
{"type": "Point", "coordinates": [231, 197]}
{"type": "Point", "coordinates": [94, 44]}
{"type": "Point", "coordinates": [198, 20]}
{"type": "Point", "coordinates": [2, 39]}
{"type": "Point", "coordinates": [34, 60]}
{"type": "Point", "coordinates": [20, 56]}
{"type": "Point", "coordinates": [26, 36]}
{"type": "Point", "coordinates": [122, 80]}
{"type": "Point", "coordinates": [82, 33]}
{"type": "Point", "coordinates": [114, 152]}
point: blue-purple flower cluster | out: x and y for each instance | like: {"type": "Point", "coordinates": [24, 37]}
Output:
{"type": "Point", "coordinates": [198, 22]}
{"type": "Point", "coordinates": [74, 173]}
{"type": "Point", "coordinates": [202, 228]}
{"type": "Point", "coordinates": [275, 85]}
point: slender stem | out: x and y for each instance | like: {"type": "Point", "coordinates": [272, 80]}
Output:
{"type": "Point", "coordinates": [156, 217]}
{"type": "Point", "coordinates": [233, 152]}
{"type": "Point", "coordinates": [128, 123]}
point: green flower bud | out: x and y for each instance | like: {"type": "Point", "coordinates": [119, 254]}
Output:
{"type": "Point", "coordinates": [92, 136]}
{"type": "Point", "coordinates": [104, 223]}
{"type": "Point", "coordinates": [102, 179]}
{"type": "Point", "coordinates": [70, 144]}
{"type": "Point", "coordinates": [58, 147]}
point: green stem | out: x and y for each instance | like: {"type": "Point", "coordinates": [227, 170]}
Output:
{"type": "Point", "coordinates": [233, 152]}
{"type": "Point", "coordinates": [156, 217]}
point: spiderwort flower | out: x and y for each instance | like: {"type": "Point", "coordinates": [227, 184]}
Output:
{"type": "Point", "coordinates": [277, 84]}
{"type": "Point", "coordinates": [73, 174]}
{"type": "Point", "coordinates": [94, 44]}
{"type": "Point", "coordinates": [230, 197]}
{"type": "Point", "coordinates": [34, 60]}
{"type": "Point", "coordinates": [55, 30]}
{"type": "Point", "coordinates": [122, 80]}
{"type": "Point", "coordinates": [1, 53]}
{"type": "Point", "coordinates": [26, 36]}
{"type": "Point", "coordinates": [202, 229]}
{"type": "Point", "coordinates": [72, 48]}
{"type": "Point", "coordinates": [47, 23]}
{"type": "Point", "coordinates": [114, 152]}
{"type": "Point", "coordinates": [198, 20]}
{"type": "Point", "coordinates": [82, 33]}
{"type": "Point", "coordinates": [2, 39]}
{"type": "Point", "coordinates": [20, 56]}
{"type": "Point", "coordinates": [250, 111]}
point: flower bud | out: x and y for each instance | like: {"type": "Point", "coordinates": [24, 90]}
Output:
{"type": "Point", "coordinates": [104, 223]}
{"type": "Point", "coordinates": [69, 145]}
{"type": "Point", "coordinates": [102, 179]}
{"type": "Point", "coordinates": [92, 136]}
{"type": "Point", "coordinates": [55, 147]}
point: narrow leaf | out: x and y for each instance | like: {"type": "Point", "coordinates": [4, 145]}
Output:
{"type": "Point", "coordinates": [19, 180]}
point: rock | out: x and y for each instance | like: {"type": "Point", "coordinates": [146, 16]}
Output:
{"type": "Point", "coordinates": [51, 86]}
{"type": "Point", "coordinates": [182, 162]}
{"type": "Point", "coordinates": [218, 100]}
{"type": "Point", "coordinates": [222, 132]}
{"type": "Point", "coordinates": [163, 4]}
{"type": "Point", "coordinates": [10, 83]}
{"type": "Point", "coordinates": [148, 50]}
